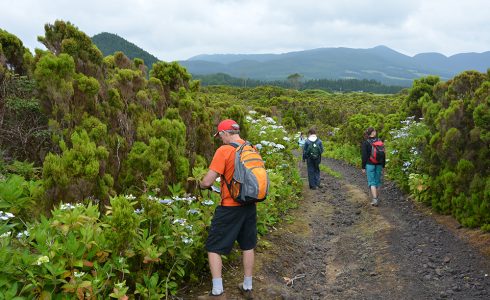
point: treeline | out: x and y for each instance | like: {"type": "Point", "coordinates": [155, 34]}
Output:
{"type": "Point", "coordinates": [330, 85]}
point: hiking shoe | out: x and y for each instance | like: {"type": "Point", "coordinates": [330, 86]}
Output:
{"type": "Point", "coordinates": [210, 296]}
{"type": "Point", "coordinates": [374, 202]}
{"type": "Point", "coordinates": [248, 294]}
{"type": "Point", "coordinates": [312, 187]}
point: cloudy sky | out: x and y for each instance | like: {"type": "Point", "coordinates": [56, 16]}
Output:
{"type": "Point", "coordinates": [180, 29]}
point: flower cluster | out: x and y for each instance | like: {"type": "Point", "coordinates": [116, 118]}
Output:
{"type": "Point", "coordinates": [130, 197]}
{"type": "Point", "coordinates": [41, 260]}
{"type": "Point", "coordinates": [22, 234]}
{"type": "Point", "coordinates": [208, 202]}
{"type": "Point", "coordinates": [78, 274]}
{"type": "Point", "coordinates": [169, 201]}
{"type": "Point", "coordinates": [6, 234]}
{"type": "Point", "coordinates": [180, 221]}
{"type": "Point", "coordinates": [5, 215]}
{"type": "Point", "coordinates": [69, 206]}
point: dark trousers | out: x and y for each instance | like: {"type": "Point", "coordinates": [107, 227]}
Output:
{"type": "Point", "coordinates": [313, 166]}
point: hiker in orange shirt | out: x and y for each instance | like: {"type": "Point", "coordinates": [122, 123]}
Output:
{"type": "Point", "coordinates": [231, 221]}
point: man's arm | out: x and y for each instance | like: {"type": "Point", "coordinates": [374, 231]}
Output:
{"type": "Point", "coordinates": [208, 179]}
{"type": "Point", "coordinates": [364, 155]}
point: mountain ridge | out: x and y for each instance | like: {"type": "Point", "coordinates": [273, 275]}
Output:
{"type": "Point", "coordinates": [379, 63]}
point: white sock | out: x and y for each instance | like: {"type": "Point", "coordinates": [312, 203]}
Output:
{"type": "Point", "coordinates": [247, 283]}
{"type": "Point", "coordinates": [217, 286]}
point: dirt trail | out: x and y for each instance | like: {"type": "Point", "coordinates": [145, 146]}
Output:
{"type": "Point", "coordinates": [339, 247]}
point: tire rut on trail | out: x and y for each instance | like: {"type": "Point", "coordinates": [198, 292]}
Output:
{"type": "Point", "coordinates": [337, 246]}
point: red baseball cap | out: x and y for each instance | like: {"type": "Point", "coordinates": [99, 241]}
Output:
{"type": "Point", "coordinates": [227, 124]}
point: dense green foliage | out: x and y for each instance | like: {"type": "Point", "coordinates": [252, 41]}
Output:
{"type": "Point", "coordinates": [82, 134]}
{"type": "Point", "coordinates": [110, 43]}
{"type": "Point", "coordinates": [299, 110]}
{"type": "Point", "coordinates": [456, 157]}
{"type": "Point", "coordinates": [338, 85]}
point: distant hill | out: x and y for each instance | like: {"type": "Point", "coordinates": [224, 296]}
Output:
{"type": "Point", "coordinates": [379, 63]}
{"type": "Point", "coordinates": [109, 43]}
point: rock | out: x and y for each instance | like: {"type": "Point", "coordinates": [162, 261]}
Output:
{"type": "Point", "coordinates": [300, 268]}
{"type": "Point", "coordinates": [446, 259]}
{"type": "Point", "coordinates": [272, 293]}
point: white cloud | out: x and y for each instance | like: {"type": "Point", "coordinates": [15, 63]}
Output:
{"type": "Point", "coordinates": [174, 30]}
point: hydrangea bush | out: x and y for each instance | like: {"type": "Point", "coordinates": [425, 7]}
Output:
{"type": "Point", "coordinates": [147, 245]}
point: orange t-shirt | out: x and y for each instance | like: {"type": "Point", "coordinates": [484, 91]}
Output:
{"type": "Point", "coordinates": [223, 163]}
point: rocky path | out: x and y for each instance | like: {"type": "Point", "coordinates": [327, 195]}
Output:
{"type": "Point", "coordinates": [337, 246]}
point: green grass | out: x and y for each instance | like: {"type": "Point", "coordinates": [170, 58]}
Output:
{"type": "Point", "coordinates": [331, 172]}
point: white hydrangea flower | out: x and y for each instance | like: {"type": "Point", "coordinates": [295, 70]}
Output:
{"type": "Point", "coordinates": [166, 201]}
{"type": "Point", "coordinates": [78, 274]}
{"type": "Point", "coordinates": [6, 234]}
{"type": "Point", "coordinates": [5, 215]}
{"type": "Point", "coordinates": [186, 240]}
{"type": "Point", "coordinates": [130, 197]}
{"type": "Point", "coordinates": [270, 120]}
{"type": "Point", "coordinates": [22, 234]}
{"type": "Point", "coordinates": [41, 260]}
{"type": "Point", "coordinates": [180, 221]}
{"type": "Point", "coordinates": [66, 206]}
{"type": "Point", "coordinates": [208, 202]}
{"type": "Point", "coordinates": [153, 198]}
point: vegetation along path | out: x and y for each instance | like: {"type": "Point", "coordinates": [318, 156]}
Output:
{"type": "Point", "coordinates": [336, 246]}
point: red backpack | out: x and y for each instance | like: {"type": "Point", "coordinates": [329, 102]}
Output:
{"type": "Point", "coordinates": [377, 151]}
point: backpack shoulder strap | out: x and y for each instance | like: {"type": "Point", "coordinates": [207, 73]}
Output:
{"type": "Point", "coordinates": [239, 148]}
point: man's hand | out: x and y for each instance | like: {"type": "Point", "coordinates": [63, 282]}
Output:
{"type": "Point", "coordinates": [363, 171]}
{"type": "Point", "coordinates": [208, 179]}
